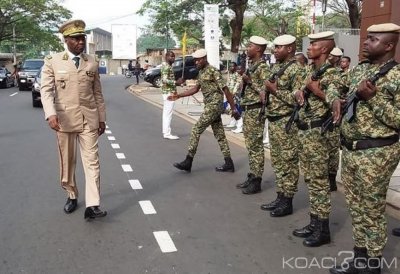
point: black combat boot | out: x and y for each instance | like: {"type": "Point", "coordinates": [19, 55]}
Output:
{"type": "Point", "coordinates": [228, 166]}
{"type": "Point", "coordinates": [250, 176]}
{"type": "Point", "coordinates": [354, 266]}
{"type": "Point", "coordinates": [320, 236]}
{"type": "Point", "coordinates": [272, 205]}
{"type": "Point", "coordinates": [186, 164]}
{"type": "Point", "coordinates": [253, 187]}
{"type": "Point", "coordinates": [308, 229]}
{"type": "Point", "coordinates": [285, 207]}
{"type": "Point", "coordinates": [332, 182]}
{"type": "Point", "coordinates": [374, 266]}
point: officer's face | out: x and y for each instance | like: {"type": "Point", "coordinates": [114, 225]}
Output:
{"type": "Point", "coordinates": [314, 49]}
{"type": "Point", "coordinates": [344, 63]}
{"type": "Point", "coordinates": [375, 46]}
{"type": "Point", "coordinates": [76, 44]}
{"type": "Point", "coordinates": [252, 50]}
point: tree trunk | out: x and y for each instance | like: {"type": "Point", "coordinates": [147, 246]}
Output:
{"type": "Point", "coordinates": [354, 13]}
{"type": "Point", "coordinates": [236, 24]}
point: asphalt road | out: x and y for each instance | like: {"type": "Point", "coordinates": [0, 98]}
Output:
{"type": "Point", "coordinates": [207, 224]}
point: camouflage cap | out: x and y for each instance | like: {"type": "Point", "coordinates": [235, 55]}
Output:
{"type": "Point", "coordinates": [73, 28]}
{"type": "Point", "coordinates": [386, 27]}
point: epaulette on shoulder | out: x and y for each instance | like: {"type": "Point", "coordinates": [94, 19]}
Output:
{"type": "Point", "coordinates": [48, 57]}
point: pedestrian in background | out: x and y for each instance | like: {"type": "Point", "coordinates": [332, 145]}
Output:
{"type": "Point", "coordinates": [168, 87]}
{"type": "Point", "coordinates": [137, 71]}
{"type": "Point", "coordinates": [74, 107]}
{"type": "Point", "coordinates": [234, 82]}
{"type": "Point", "coordinates": [213, 86]}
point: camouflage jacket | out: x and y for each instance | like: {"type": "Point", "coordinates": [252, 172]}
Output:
{"type": "Point", "coordinates": [211, 83]}
{"type": "Point", "coordinates": [330, 83]}
{"type": "Point", "coordinates": [167, 79]}
{"type": "Point", "coordinates": [258, 76]}
{"type": "Point", "coordinates": [283, 103]}
{"type": "Point", "coordinates": [234, 81]}
{"type": "Point", "coordinates": [379, 116]}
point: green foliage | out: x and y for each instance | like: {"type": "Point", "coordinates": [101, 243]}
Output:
{"type": "Point", "coordinates": [151, 41]}
{"type": "Point", "coordinates": [35, 22]}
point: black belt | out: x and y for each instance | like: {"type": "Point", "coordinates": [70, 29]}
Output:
{"type": "Point", "coordinates": [313, 124]}
{"type": "Point", "coordinates": [277, 118]}
{"type": "Point", "coordinates": [253, 106]}
{"type": "Point", "coordinates": [369, 143]}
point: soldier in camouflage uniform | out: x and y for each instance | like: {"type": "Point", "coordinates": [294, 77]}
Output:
{"type": "Point", "coordinates": [371, 148]}
{"type": "Point", "coordinates": [251, 103]}
{"type": "Point", "coordinates": [284, 146]}
{"type": "Point", "coordinates": [234, 82]}
{"type": "Point", "coordinates": [168, 87]}
{"type": "Point", "coordinates": [212, 84]}
{"type": "Point", "coordinates": [314, 157]}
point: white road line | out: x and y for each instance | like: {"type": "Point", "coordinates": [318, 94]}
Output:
{"type": "Point", "coordinates": [108, 131]}
{"type": "Point", "coordinates": [147, 207]}
{"type": "Point", "coordinates": [15, 93]}
{"type": "Point", "coordinates": [135, 184]}
{"type": "Point", "coordinates": [106, 126]}
{"type": "Point", "coordinates": [127, 168]}
{"type": "Point", "coordinates": [111, 138]}
{"type": "Point", "coordinates": [120, 155]}
{"type": "Point", "coordinates": [164, 241]}
{"type": "Point", "coordinates": [115, 145]}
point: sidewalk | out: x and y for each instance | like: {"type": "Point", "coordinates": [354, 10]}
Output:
{"type": "Point", "coordinates": [190, 108]}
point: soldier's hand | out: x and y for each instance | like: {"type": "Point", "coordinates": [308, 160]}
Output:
{"type": "Point", "coordinates": [246, 79]}
{"type": "Point", "coordinates": [262, 96]}
{"type": "Point", "coordinates": [366, 90]}
{"type": "Point", "coordinates": [313, 86]}
{"type": "Point", "coordinates": [53, 122]}
{"type": "Point", "coordinates": [180, 81]}
{"type": "Point", "coordinates": [299, 95]}
{"type": "Point", "coordinates": [336, 110]}
{"type": "Point", "coordinates": [102, 128]}
{"type": "Point", "coordinates": [271, 87]}
{"type": "Point", "coordinates": [236, 114]}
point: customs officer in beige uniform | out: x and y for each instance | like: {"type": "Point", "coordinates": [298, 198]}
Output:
{"type": "Point", "coordinates": [74, 108]}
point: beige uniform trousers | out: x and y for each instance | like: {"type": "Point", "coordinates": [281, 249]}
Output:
{"type": "Point", "coordinates": [88, 144]}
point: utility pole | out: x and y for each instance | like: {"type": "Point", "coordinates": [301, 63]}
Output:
{"type": "Point", "coordinates": [324, 2]}
{"type": "Point", "coordinates": [14, 46]}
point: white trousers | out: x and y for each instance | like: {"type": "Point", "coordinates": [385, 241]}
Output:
{"type": "Point", "coordinates": [167, 114]}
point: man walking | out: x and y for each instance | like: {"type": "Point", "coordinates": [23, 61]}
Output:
{"type": "Point", "coordinates": [74, 108]}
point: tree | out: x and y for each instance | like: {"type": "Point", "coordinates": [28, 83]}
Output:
{"type": "Point", "coordinates": [349, 10]}
{"type": "Point", "coordinates": [34, 22]}
{"type": "Point", "coordinates": [149, 40]}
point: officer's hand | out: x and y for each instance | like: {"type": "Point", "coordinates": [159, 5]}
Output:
{"type": "Point", "coordinates": [236, 114]}
{"type": "Point", "coordinates": [173, 97]}
{"type": "Point", "coordinates": [102, 128]}
{"type": "Point", "coordinates": [271, 87]}
{"type": "Point", "coordinates": [366, 90]}
{"type": "Point", "coordinates": [299, 95]}
{"type": "Point", "coordinates": [53, 122]}
{"type": "Point", "coordinates": [180, 81]}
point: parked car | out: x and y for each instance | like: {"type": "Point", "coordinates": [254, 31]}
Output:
{"type": "Point", "coordinates": [27, 73]}
{"type": "Point", "coordinates": [153, 75]}
{"type": "Point", "coordinates": [36, 99]}
{"type": "Point", "coordinates": [6, 78]}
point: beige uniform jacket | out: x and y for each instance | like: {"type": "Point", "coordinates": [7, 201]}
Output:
{"type": "Point", "coordinates": [72, 93]}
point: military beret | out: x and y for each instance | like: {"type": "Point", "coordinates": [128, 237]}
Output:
{"type": "Point", "coordinates": [325, 35]}
{"type": "Point", "coordinates": [200, 53]}
{"type": "Point", "coordinates": [387, 27]}
{"type": "Point", "coordinates": [336, 52]}
{"type": "Point", "coordinates": [73, 28]}
{"type": "Point", "coordinates": [258, 40]}
{"type": "Point", "coordinates": [284, 40]}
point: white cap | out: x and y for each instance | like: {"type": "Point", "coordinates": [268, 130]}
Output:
{"type": "Point", "coordinates": [336, 52]}
{"type": "Point", "coordinates": [387, 27]}
{"type": "Point", "coordinates": [325, 35]}
{"type": "Point", "coordinates": [200, 53]}
{"type": "Point", "coordinates": [284, 40]}
{"type": "Point", "coordinates": [258, 40]}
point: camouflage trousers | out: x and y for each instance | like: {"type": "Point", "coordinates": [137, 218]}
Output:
{"type": "Point", "coordinates": [366, 175]}
{"type": "Point", "coordinates": [333, 148]}
{"type": "Point", "coordinates": [284, 156]}
{"type": "Point", "coordinates": [253, 131]}
{"type": "Point", "coordinates": [314, 163]}
{"type": "Point", "coordinates": [211, 116]}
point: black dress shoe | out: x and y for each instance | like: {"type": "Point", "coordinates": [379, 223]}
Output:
{"type": "Point", "coordinates": [70, 205]}
{"type": "Point", "coordinates": [92, 212]}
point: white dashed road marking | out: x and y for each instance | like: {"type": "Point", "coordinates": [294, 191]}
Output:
{"type": "Point", "coordinates": [147, 207]}
{"type": "Point", "coordinates": [164, 241]}
{"type": "Point", "coordinates": [115, 146]}
{"type": "Point", "coordinates": [15, 93]}
{"type": "Point", "coordinates": [135, 184]}
{"type": "Point", "coordinates": [108, 131]}
{"type": "Point", "coordinates": [120, 155]}
{"type": "Point", "coordinates": [127, 168]}
{"type": "Point", "coordinates": [111, 138]}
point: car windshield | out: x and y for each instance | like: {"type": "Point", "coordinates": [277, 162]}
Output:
{"type": "Point", "coordinates": [37, 64]}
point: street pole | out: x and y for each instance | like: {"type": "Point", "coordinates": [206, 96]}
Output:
{"type": "Point", "coordinates": [14, 46]}
{"type": "Point", "coordinates": [324, 2]}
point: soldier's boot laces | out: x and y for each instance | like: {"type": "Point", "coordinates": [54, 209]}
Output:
{"type": "Point", "coordinates": [354, 266]}
{"type": "Point", "coordinates": [185, 165]}
{"type": "Point", "coordinates": [272, 205]}
{"type": "Point", "coordinates": [247, 181]}
{"type": "Point", "coordinates": [227, 166]}
{"type": "Point", "coordinates": [320, 236]}
{"type": "Point", "coordinates": [284, 208]}
{"type": "Point", "coordinates": [332, 182]}
{"type": "Point", "coordinates": [253, 187]}
{"type": "Point", "coordinates": [308, 229]}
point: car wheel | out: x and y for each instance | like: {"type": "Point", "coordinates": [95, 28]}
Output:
{"type": "Point", "coordinates": [157, 82]}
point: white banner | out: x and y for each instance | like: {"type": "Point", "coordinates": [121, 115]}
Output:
{"type": "Point", "coordinates": [211, 34]}
{"type": "Point", "coordinates": [123, 41]}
